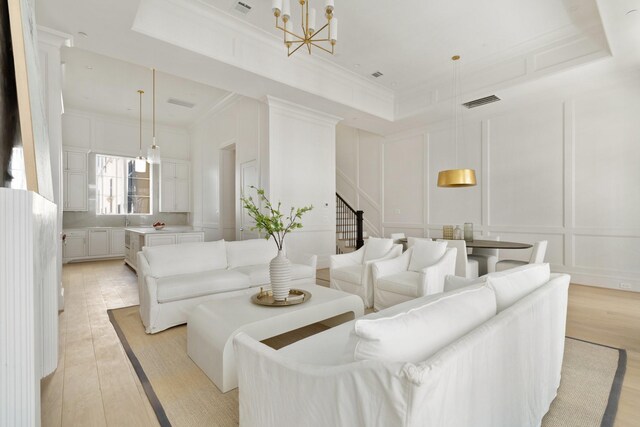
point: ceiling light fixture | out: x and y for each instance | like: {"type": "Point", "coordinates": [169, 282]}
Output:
{"type": "Point", "coordinates": [311, 35]}
{"type": "Point", "coordinates": [153, 153]}
{"type": "Point", "coordinates": [456, 177]}
{"type": "Point", "coordinates": [141, 162]}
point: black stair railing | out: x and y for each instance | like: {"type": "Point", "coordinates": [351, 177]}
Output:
{"type": "Point", "coordinates": [349, 223]}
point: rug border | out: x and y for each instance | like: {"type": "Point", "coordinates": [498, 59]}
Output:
{"type": "Point", "coordinates": [608, 418]}
{"type": "Point", "coordinates": [158, 409]}
{"type": "Point", "coordinates": [610, 412]}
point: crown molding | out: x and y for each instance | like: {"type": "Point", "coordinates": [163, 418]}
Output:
{"type": "Point", "coordinates": [301, 111]}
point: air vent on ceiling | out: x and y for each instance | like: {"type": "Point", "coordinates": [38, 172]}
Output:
{"type": "Point", "coordinates": [481, 101]}
{"type": "Point", "coordinates": [242, 7]}
{"type": "Point", "coordinates": [181, 103]}
{"type": "Point", "coordinates": [376, 74]}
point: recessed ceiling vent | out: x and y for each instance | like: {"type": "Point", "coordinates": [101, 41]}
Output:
{"type": "Point", "coordinates": [377, 74]}
{"type": "Point", "coordinates": [181, 103]}
{"type": "Point", "coordinates": [243, 8]}
{"type": "Point", "coordinates": [481, 101]}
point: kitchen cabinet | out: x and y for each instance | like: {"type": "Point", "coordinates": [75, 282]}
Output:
{"type": "Point", "coordinates": [138, 237]}
{"type": "Point", "coordinates": [75, 244]}
{"type": "Point", "coordinates": [84, 244]}
{"type": "Point", "coordinates": [116, 242]}
{"type": "Point", "coordinates": [99, 242]}
{"type": "Point", "coordinates": [175, 186]}
{"type": "Point", "coordinates": [75, 180]}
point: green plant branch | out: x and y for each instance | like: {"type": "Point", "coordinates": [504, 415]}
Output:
{"type": "Point", "coordinates": [272, 222]}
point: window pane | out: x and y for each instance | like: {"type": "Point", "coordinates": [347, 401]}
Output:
{"type": "Point", "coordinates": [120, 189]}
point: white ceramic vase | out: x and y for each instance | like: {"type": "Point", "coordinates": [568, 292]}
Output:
{"type": "Point", "coordinates": [280, 274]}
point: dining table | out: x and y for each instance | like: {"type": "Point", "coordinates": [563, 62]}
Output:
{"type": "Point", "coordinates": [489, 244]}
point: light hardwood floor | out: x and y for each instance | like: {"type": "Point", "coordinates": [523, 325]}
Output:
{"type": "Point", "coordinates": [95, 384]}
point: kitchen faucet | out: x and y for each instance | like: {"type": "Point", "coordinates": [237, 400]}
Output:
{"type": "Point", "coordinates": [126, 221]}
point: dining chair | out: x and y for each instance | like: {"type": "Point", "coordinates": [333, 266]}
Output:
{"type": "Point", "coordinates": [487, 258]}
{"type": "Point", "coordinates": [537, 257]}
{"type": "Point", "coordinates": [465, 267]}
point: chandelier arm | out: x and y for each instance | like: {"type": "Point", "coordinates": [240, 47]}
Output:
{"type": "Point", "coordinates": [294, 50]}
{"type": "Point", "coordinates": [317, 31]}
{"type": "Point", "coordinates": [309, 47]}
{"type": "Point", "coordinates": [320, 47]}
{"type": "Point", "coordinates": [319, 40]}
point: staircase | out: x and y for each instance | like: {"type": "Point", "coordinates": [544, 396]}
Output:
{"type": "Point", "coordinates": [349, 227]}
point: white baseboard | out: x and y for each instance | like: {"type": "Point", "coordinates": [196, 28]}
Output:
{"type": "Point", "coordinates": [608, 281]}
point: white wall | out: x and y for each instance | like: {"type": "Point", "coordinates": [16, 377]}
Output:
{"type": "Point", "coordinates": [564, 170]}
{"type": "Point", "coordinates": [104, 134]}
{"type": "Point", "coordinates": [239, 121]}
{"type": "Point", "coordinates": [302, 171]}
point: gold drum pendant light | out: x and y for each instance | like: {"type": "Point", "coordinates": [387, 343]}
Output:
{"type": "Point", "coordinates": [456, 177]}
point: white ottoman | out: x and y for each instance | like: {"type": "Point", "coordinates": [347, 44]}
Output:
{"type": "Point", "coordinates": [212, 325]}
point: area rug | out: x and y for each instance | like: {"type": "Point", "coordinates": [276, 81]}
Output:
{"type": "Point", "coordinates": [182, 395]}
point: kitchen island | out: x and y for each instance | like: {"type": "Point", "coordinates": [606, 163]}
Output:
{"type": "Point", "coordinates": [136, 238]}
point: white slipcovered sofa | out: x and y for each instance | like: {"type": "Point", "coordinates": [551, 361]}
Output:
{"type": "Point", "coordinates": [173, 279]}
{"type": "Point", "coordinates": [485, 355]}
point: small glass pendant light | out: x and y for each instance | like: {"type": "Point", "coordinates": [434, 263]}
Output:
{"type": "Point", "coordinates": [153, 153]}
{"type": "Point", "coordinates": [141, 162]}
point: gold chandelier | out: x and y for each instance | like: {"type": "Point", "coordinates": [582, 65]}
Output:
{"type": "Point", "coordinates": [310, 32]}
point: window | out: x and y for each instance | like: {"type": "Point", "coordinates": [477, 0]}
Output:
{"type": "Point", "coordinates": [120, 190]}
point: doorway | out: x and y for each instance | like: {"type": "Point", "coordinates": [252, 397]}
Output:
{"type": "Point", "coordinates": [228, 199]}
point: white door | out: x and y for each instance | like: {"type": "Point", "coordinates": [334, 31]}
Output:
{"type": "Point", "coordinates": [248, 178]}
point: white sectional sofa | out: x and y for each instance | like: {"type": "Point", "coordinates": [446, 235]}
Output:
{"type": "Point", "coordinates": [485, 355]}
{"type": "Point", "coordinates": [173, 279]}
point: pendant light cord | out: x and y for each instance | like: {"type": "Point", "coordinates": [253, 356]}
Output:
{"type": "Point", "coordinates": [455, 84]}
{"type": "Point", "coordinates": [154, 106]}
{"type": "Point", "coordinates": [140, 150]}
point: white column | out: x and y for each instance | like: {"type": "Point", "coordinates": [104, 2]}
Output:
{"type": "Point", "coordinates": [27, 273]}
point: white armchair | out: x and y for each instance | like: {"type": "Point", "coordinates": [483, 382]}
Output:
{"type": "Point", "coordinates": [465, 266]}
{"type": "Point", "coordinates": [405, 277]}
{"type": "Point", "coordinates": [351, 272]}
{"type": "Point", "coordinates": [537, 257]}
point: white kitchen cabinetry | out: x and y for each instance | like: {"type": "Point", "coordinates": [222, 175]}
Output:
{"type": "Point", "coordinates": [117, 246]}
{"type": "Point", "coordinates": [75, 244]}
{"type": "Point", "coordinates": [84, 244]}
{"type": "Point", "coordinates": [74, 180]}
{"type": "Point", "coordinates": [138, 237]}
{"type": "Point", "coordinates": [99, 242]}
{"type": "Point", "coordinates": [175, 187]}
{"type": "Point", "coordinates": [190, 237]}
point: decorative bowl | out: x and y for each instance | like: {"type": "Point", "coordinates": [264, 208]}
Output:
{"type": "Point", "coordinates": [159, 225]}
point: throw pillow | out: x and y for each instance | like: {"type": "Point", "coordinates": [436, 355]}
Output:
{"type": "Point", "coordinates": [426, 253]}
{"type": "Point", "coordinates": [377, 248]}
{"type": "Point", "coordinates": [513, 284]}
{"type": "Point", "coordinates": [416, 335]}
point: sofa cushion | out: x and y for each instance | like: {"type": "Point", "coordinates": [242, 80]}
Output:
{"type": "Point", "coordinates": [451, 282]}
{"type": "Point", "coordinates": [259, 274]}
{"type": "Point", "coordinates": [419, 333]}
{"type": "Point", "coordinates": [172, 260]}
{"type": "Point", "coordinates": [377, 248]}
{"type": "Point", "coordinates": [511, 285]}
{"type": "Point", "coordinates": [405, 283]}
{"type": "Point", "coordinates": [251, 252]}
{"type": "Point", "coordinates": [193, 285]}
{"type": "Point", "coordinates": [350, 274]}
{"type": "Point", "coordinates": [426, 253]}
